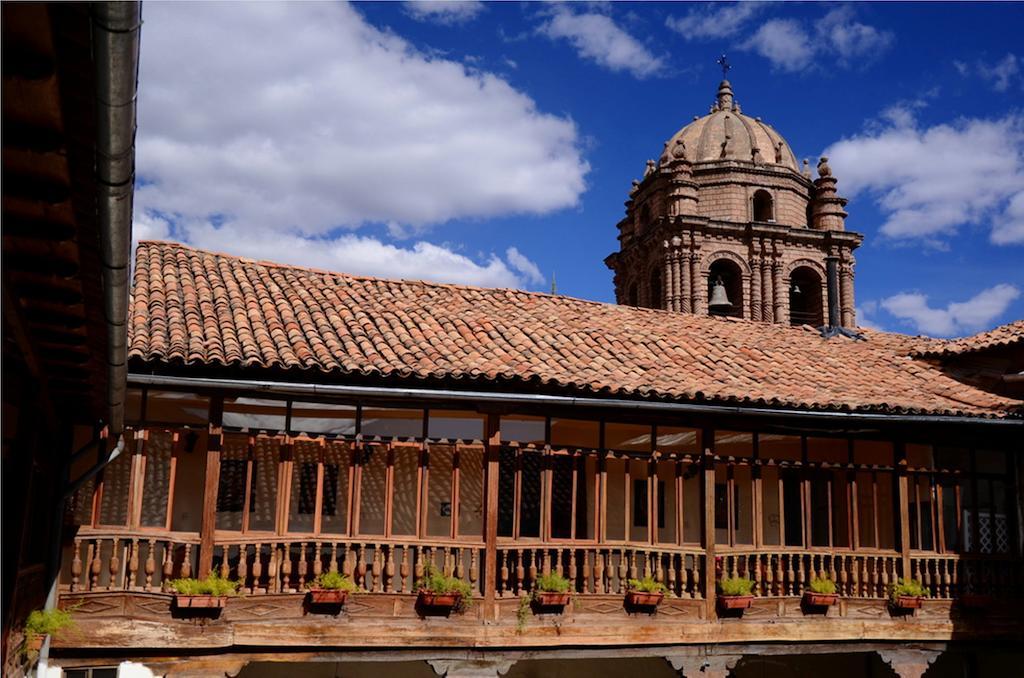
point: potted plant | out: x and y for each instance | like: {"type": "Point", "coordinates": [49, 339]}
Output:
{"type": "Point", "coordinates": [42, 623]}
{"type": "Point", "coordinates": [331, 588]}
{"type": "Point", "coordinates": [551, 591]}
{"type": "Point", "coordinates": [645, 592]}
{"type": "Point", "coordinates": [907, 594]}
{"type": "Point", "coordinates": [821, 593]}
{"type": "Point", "coordinates": [440, 592]}
{"type": "Point", "coordinates": [735, 593]}
{"type": "Point", "coordinates": [209, 593]}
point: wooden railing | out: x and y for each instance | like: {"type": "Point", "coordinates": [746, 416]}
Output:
{"type": "Point", "coordinates": [951, 576]}
{"type": "Point", "coordinates": [789, 572]}
{"type": "Point", "coordinates": [600, 569]}
{"type": "Point", "coordinates": [377, 566]}
{"type": "Point", "coordinates": [104, 561]}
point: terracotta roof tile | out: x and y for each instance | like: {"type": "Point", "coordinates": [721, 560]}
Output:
{"type": "Point", "coordinates": [1004, 335]}
{"type": "Point", "coordinates": [196, 307]}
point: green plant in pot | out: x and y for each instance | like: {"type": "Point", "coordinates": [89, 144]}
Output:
{"type": "Point", "coordinates": [821, 593]}
{"type": "Point", "coordinates": [907, 594]}
{"type": "Point", "coordinates": [436, 590]}
{"type": "Point", "coordinates": [735, 593]}
{"type": "Point", "coordinates": [331, 588]}
{"type": "Point", "coordinates": [551, 590]}
{"type": "Point", "coordinates": [42, 623]}
{"type": "Point", "coordinates": [646, 592]}
{"type": "Point", "coordinates": [212, 592]}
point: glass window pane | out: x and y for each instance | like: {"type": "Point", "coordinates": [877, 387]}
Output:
{"type": "Point", "coordinates": [628, 437]}
{"type": "Point", "coordinates": [529, 501]}
{"type": "Point", "coordinates": [254, 414]}
{"type": "Point", "coordinates": [667, 511]}
{"type": "Point", "coordinates": [830, 450]}
{"type": "Point", "coordinates": [381, 422]}
{"type": "Point", "coordinates": [677, 439]}
{"type": "Point", "coordinates": [372, 488]}
{"type": "Point", "coordinates": [303, 487]}
{"type": "Point", "coordinates": [523, 430]}
{"type": "Point", "coordinates": [406, 473]}
{"type": "Point", "coordinates": [321, 418]}
{"type": "Point", "coordinates": [337, 466]}
{"type": "Point", "coordinates": [267, 454]}
{"type": "Point", "coordinates": [439, 493]}
{"type": "Point", "coordinates": [116, 477]}
{"type": "Point", "coordinates": [575, 433]}
{"type": "Point", "coordinates": [456, 425]}
{"type": "Point", "coordinates": [734, 444]}
{"type": "Point", "coordinates": [157, 484]}
{"type": "Point", "coordinates": [175, 407]}
{"type": "Point", "coordinates": [744, 507]}
{"type": "Point", "coordinates": [771, 520]}
{"type": "Point", "coordinates": [873, 453]}
{"type": "Point", "coordinates": [778, 447]}
{"type": "Point", "coordinates": [471, 492]}
{"type": "Point", "coordinates": [615, 512]}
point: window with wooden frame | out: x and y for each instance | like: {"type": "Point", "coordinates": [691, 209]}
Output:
{"type": "Point", "coordinates": [734, 488]}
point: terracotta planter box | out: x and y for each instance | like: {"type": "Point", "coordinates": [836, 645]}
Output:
{"type": "Point", "coordinates": [551, 598]}
{"type": "Point", "coordinates": [34, 643]}
{"type": "Point", "coordinates": [327, 596]}
{"type": "Point", "coordinates": [200, 602]}
{"type": "Point", "coordinates": [735, 602]}
{"type": "Point", "coordinates": [644, 599]}
{"type": "Point", "coordinates": [812, 599]}
{"type": "Point", "coordinates": [431, 599]}
{"type": "Point", "coordinates": [908, 602]}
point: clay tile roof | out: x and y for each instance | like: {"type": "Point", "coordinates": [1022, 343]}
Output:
{"type": "Point", "coordinates": [192, 307]}
{"type": "Point", "coordinates": [1004, 335]}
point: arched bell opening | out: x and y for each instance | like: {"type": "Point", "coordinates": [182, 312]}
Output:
{"type": "Point", "coordinates": [764, 206]}
{"type": "Point", "coordinates": [725, 289]}
{"type": "Point", "coordinates": [655, 289]}
{"type": "Point", "coordinates": [805, 299]}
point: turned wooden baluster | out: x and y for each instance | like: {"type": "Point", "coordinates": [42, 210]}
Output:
{"type": "Point", "coordinates": [790, 574]}
{"type": "Point", "coordinates": [446, 554]}
{"type": "Point", "coordinates": [242, 569]}
{"type": "Point", "coordinates": [257, 567]}
{"type": "Point", "coordinates": [347, 562]}
{"type": "Point", "coordinates": [734, 570]}
{"type": "Point", "coordinates": [303, 566]}
{"type": "Point", "coordinates": [572, 570]}
{"type": "Point", "coordinates": [286, 567]}
{"type": "Point", "coordinates": [633, 571]}
{"type": "Point", "coordinates": [698, 567]}
{"type": "Point", "coordinates": [318, 562]}
{"type": "Point", "coordinates": [186, 564]}
{"type": "Point", "coordinates": [76, 566]}
{"type": "Point", "coordinates": [942, 579]}
{"type": "Point", "coordinates": [332, 565]}
{"type": "Point", "coordinates": [768, 573]}
{"type": "Point", "coordinates": [168, 566]}
{"type": "Point", "coordinates": [759, 587]}
{"type": "Point", "coordinates": [373, 573]}
{"type": "Point", "coordinates": [801, 575]}
{"type": "Point", "coordinates": [520, 572]}
{"type": "Point", "coordinates": [150, 564]}
{"type": "Point", "coordinates": [360, 566]}
{"type": "Point", "coordinates": [598, 571]}
{"type": "Point", "coordinates": [843, 574]}
{"type": "Point", "coordinates": [780, 576]}
{"type": "Point", "coordinates": [953, 578]}
{"type": "Point", "coordinates": [132, 575]}
{"type": "Point", "coordinates": [95, 565]}
{"type": "Point", "coordinates": [671, 574]}
{"type": "Point", "coordinates": [624, 572]}
{"type": "Point", "coordinates": [502, 573]}
{"type": "Point", "coordinates": [273, 584]}
{"type": "Point", "coordinates": [403, 569]}
{"type": "Point", "coordinates": [474, 568]}
{"type": "Point", "coordinates": [225, 565]}
{"type": "Point", "coordinates": [586, 571]}
{"type": "Point", "coordinates": [389, 569]}
{"type": "Point", "coordinates": [114, 565]}
{"type": "Point", "coordinates": [418, 566]}
{"type": "Point", "coordinates": [459, 570]}
{"type": "Point", "coordinates": [533, 570]}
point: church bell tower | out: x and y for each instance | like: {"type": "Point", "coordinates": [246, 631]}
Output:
{"type": "Point", "coordinates": [727, 223]}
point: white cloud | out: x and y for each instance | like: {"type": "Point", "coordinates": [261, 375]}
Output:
{"type": "Point", "coordinates": [783, 42]}
{"type": "Point", "coordinates": [929, 181]}
{"type": "Point", "coordinates": [865, 313]}
{"type": "Point", "coordinates": [715, 21]}
{"type": "Point", "coordinates": [597, 37]}
{"type": "Point", "coordinates": [524, 266]}
{"type": "Point", "coordinates": [447, 12]}
{"type": "Point", "coordinates": [1002, 73]}
{"type": "Point", "coordinates": [964, 317]}
{"type": "Point", "coordinates": [851, 41]}
{"type": "Point", "coordinates": [245, 133]}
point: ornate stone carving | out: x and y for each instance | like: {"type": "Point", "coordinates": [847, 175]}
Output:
{"type": "Point", "coordinates": [466, 668]}
{"type": "Point", "coordinates": [909, 663]}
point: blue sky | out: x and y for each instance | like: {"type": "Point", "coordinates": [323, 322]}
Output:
{"type": "Point", "coordinates": [494, 144]}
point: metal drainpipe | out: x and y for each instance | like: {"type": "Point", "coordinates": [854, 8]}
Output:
{"type": "Point", "coordinates": [116, 27]}
{"type": "Point", "coordinates": [115, 40]}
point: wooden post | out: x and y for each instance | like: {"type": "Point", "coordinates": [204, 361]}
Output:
{"type": "Point", "coordinates": [214, 443]}
{"type": "Point", "coordinates": [492, 456]}
{"type": "Point", "coordinates": [708, 499]}
{"type": "Point", "coordinates": [903, 499]}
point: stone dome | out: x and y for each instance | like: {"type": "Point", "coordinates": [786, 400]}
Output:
{"type": "Point", "coordinates": [726, 134]}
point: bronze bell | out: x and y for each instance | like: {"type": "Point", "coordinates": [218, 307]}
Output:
{"type": "Point", "coordinates": [719, 297]}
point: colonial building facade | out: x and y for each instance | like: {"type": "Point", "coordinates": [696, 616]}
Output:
{"type": "Point", "coordinates": [284, 423]}
{"type": "Point", "coordinates": [727, 204]}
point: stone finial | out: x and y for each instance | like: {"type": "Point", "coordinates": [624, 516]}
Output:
{"type": "Point", "coordinates": [778, 153]}
{"type": "Point", "coordinates": [649, 170]}
{"type": "Point", "coordinates": [679, 150]}
{"type": "Point", "coordinates": [823, 169]}
{"type": "Point", "coordinates": [724, 100]}
{"type": "Point", "coordinates": [634, 187]}
{"type": "Point", "coordinates": [807, 168]}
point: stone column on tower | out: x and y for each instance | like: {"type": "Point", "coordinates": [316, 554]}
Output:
{"type": "Point", "coordinates": [848, 312]}
{"type": "Point", "coordinates": [755, 282]}
{"type": "Point", "coordinates": [779, 294]}
{"type": "Point", "coordinates": [699, 286]}
{"type": "Point", "coordinates": [827, 213]}
{"type": "Point", "coordinates": [685, 282]}
{"type": "Point", "coordinates": [767, 296]}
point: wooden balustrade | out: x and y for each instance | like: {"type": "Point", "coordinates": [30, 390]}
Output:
{"type": "Point", "coordinates": [376, 566]}
{"type": "Point", "coordinates": [950, 576]}
{"type": "Point", "coordinates": [112, 561]}
{"type": "Point", "coordinates": [599, 569]}
{"type": "Point", "coordinates": [778, 573]}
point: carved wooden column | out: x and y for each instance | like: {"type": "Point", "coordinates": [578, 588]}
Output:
{"type": "Point", "coordinates": [903, 505]}
{"type": "Point", "coordinates": [708, 531]}
{"type": "Point", "coordinates": [212, 481]}
{"type": "Point", "coordinates": [493, 451]}
{"type": "Point", "coordinates": [909, 663]}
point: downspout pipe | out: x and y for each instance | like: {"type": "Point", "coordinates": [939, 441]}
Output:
{"type": "Point", "coordinates": [115, 35]}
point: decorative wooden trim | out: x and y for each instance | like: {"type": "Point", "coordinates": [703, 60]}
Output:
{"type": "Point", "coordinates": [208, 522]}
{"type": "Point", "coordinates": [902, 505]}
